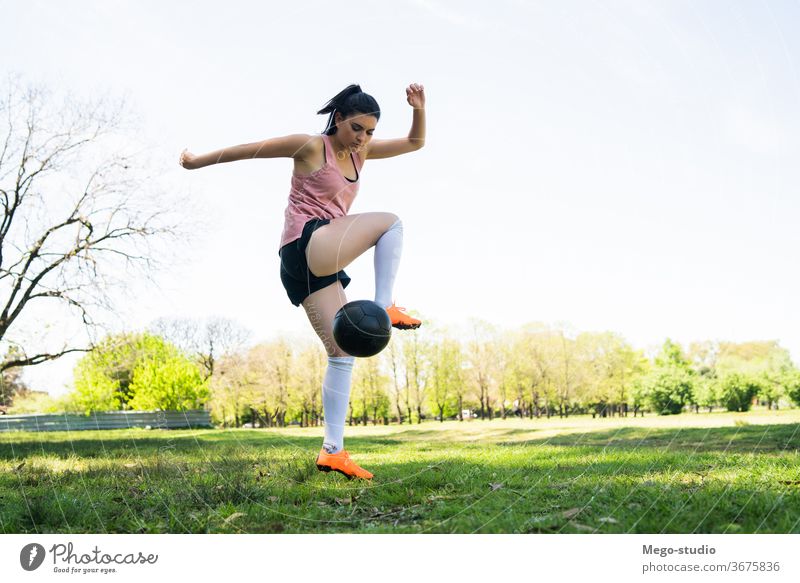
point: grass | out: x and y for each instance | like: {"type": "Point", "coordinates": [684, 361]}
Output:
{"type": "Point", "coordinates": [693, 473]}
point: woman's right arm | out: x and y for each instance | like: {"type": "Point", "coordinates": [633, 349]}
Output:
{"type": "Point", "coordinates": [283, 147]}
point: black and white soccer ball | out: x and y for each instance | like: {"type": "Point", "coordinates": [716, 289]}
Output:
{"type": "Point", "coordinates": [362, 328]}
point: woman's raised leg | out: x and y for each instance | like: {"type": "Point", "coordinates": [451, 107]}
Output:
{"type": "Point", "coordinates": [334, 246]}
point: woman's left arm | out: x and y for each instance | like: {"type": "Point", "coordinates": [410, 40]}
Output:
{"type": "Point", "coordinates": [415, 95]}
{"type": "Point", "coordinates": [416, 99]}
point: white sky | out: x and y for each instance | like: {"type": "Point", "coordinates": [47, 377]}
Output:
{"type": "Point", "coordinates": [621, 166]}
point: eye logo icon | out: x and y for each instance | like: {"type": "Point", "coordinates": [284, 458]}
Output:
{"type": "Point", "coordinates": [31, 556]}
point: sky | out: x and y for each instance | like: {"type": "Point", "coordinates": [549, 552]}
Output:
{"type": "Point", "coordinates": [623, 166]}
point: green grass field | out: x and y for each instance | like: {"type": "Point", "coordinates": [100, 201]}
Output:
{"type": "Point", "coordinates": [692, 473]}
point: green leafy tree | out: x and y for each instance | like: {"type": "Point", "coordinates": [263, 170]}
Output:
{"type": "Point", "coordinates": [670, 387]}
{"type": "Point", "coordinates": [95, 388]}
{"type": "Point", "coordinates": [445, 363]}
{"type": "Point", "coordinates": [706, 392]}
{"type": "Point", "coordinates": [791, 384]}
{"type": "Point", "coordinates": [737, 391]}
{"type": "Point", "coordinates": [137, 371]}
{"type": "Point", "coordinates": [669, 390]}
{"type": "Point", "coordinates": [166, 379]}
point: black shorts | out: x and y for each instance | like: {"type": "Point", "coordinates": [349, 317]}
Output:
{"type": "Point", "coordinates": [297, 280]}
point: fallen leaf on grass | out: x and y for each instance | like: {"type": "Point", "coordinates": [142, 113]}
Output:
{"type": "Point", "coordinates": [133, 465]}
{"type": "Point", "coordinates": [233, 517]}
{"type": "Point", "coordinates": [496, 486]}
{"type": "Point", "coordinates": [19, 467]}
{"type": "Point", "coordinates": [582, 527]}
{"type": "Point", "coordinates": [571, 512]}
{"type": "Point", "coordinates": [273, 498]}
{"type": "Point", "coordinates": [609, 519]}
{"type": "Point", "coordinates": [343, 501]}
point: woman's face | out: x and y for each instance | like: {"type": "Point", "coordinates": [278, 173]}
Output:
{"type": "Point", "coordinates": [355, 132]}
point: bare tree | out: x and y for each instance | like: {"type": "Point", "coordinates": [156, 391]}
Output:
{"type": "Point", "coordinates": [79, 215]}
{"type": "Point", "coordinates": [206, 341]}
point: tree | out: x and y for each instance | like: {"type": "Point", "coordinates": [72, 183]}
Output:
{"type": "Point", "coordinates": [764, 362]}
{"type": "Point", "coordinates": [231, 389]}
{"type": "Point", "coordinates": [481, 363]}
{"type": "Point", "coordinates": [415, 349]}
{"type": "Point", "coordinates": [78, 209]}
{"type": "Point", "coordinates": [305, 400]}
{"type": "Point", "coordinates": [791, 383]}
{"type": "Point", "coordinates": [273, 366]}
{"type": "Point", "coordinates": [568, 375]}
{"type": "Point", "coordinates": [445, 363]}
{"type": "Point", "coordinates": [706, 392]}
{"type": "Point", "coordinates": [11, 384]}
{"type": "Point", "coordinates": [738, 390]}
{"type": "Point", "coordinates": [137, 371]}
{"type": "Point", "coordinates": [668, 390]}
{"type": "Point", "coordinates": [206, 340]}
{"type": "Point", "coordinates": [506, 373]}
{"type": "Point", "coordinates": [546, 370]}
{"type": "Point", "coordinates": [609, 367]}
{"type": "Point", "coordinates": [670, 386]}
{"type": "Point", "coordinates": [165, 379]}
{"type": "Point", "coordinates": [369, 397]}
{"type": "Point", "coordinates": [400, 387]}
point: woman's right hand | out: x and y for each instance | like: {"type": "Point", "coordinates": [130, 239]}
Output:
{"type": "Point", "coordinates": [188, 160]}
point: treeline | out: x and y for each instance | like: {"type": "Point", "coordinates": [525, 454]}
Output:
{"type": "Point", "coordinates": [533, 371]}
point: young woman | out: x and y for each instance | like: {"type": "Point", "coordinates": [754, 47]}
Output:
{"type": "Point", "coordinates": [320, 239]}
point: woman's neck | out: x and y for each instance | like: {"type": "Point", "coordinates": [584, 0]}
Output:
{"type": "Point", "coordinates": [339, 150]}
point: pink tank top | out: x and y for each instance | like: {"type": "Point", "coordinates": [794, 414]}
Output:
{"type": "Point", "coordinates": [325, 194]}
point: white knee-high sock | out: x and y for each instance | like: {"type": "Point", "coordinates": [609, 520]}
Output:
{"type": "Point", "coordinates": [335, 399]}
{"type": "Point", "coordinates": [387, 259]}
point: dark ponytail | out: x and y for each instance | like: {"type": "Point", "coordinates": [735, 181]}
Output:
{"type": "Point", "coordinates": [349, 101]}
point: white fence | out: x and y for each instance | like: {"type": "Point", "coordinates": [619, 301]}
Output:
{"type": "Point", "coordinates": [109, 420]}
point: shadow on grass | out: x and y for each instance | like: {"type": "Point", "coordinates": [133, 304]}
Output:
{"type": "Point", "coordinates": [739, 439]}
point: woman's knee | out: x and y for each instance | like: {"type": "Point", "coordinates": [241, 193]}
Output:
{"type": "Point", "coordinates": [393, 218]}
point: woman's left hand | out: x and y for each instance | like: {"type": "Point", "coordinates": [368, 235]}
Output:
{"type": "Point", "coordinates": [415, 94]}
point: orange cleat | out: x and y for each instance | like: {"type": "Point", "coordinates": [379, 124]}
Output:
{"type": "Point", "coordinates": [401, 320]}
{"type": "Point", "coordinates": [341, 462]}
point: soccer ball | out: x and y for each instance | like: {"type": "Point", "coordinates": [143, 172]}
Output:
{"type": "Point", "coordinates": [362, 328]}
